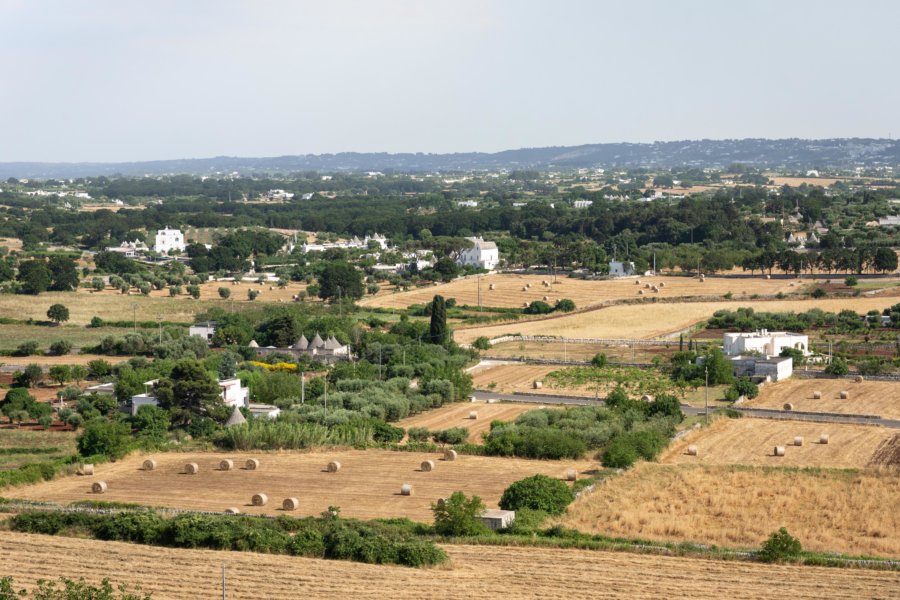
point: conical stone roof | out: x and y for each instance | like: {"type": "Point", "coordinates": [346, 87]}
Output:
{"type": "Point", "coordinates": [236, 418]}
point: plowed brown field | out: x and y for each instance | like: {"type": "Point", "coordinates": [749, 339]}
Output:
{"type": "Point", "coordinates": [751, 441]}
{"type": "Point", "coordinates": [367, 486]}
{"type": "Point", "coordinates": [828, 510]}
{"type": "Point", "coordinates": [866, 398]}
{"type": "Point", "coordinates": [457, 415]}
{"type": "Point", "coordinates": [474, 572]}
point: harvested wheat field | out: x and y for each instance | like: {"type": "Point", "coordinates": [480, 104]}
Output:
{"type": "Point", "coordinates": [367, 485]}
{"type": "Point", "coordinates": [866, 398]}
{"type": "Point", "coordinates": [474, 572]}
{"type": "Point", "coordinates": [750, 441]}
{"type": "Point", "coordinates": [652, 320]}
{"type": "Point", "coordinates": [110, 305]}
{"type": "Point", "coordinates": [508, 290]}
{"type": "Point", "coordinates": [887, 454]}
{"type": "Point", "coordinates": [457, 415]}
{"type": "Point", "coordinates": [738, 506]}
{"type": "Point", "coordinates": [513, 378]}
{"type": "Point", "coordinates": [575, 351]}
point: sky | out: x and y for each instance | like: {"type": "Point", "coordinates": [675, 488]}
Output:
{"type": "Point", "coordinates": [124, 80]}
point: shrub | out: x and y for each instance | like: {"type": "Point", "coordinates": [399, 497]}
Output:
{"type": "Point", "coordinates": [99, 368]}
{"type": "Point", "coordinates": [850, 281]}
{"type": "Point", "coordinates": [459, 516]}
{"type": "Point", "coordinates": [781, 546]}
{"type": "Point", "coordinates": [599, 360]}
{"type": "Point", "coordinates": [224, 293]}
{"type": "Point", "coordinates": [565, 305]}
{"type": "Point", "coordinates": [60, 347]}
{"type": "Point", "coordinates": [482, 343]}
{"type": "Point", "coordinates": [819, 293]}
{"type": "Point", "coordinates": [454, 435]}
{"type": "Point", "coordinates": [96, 322]}
{"type": "Point", "coordinates": [105, 438]}
{"type": "Point", "coordinates": [838, 366]}
{"type": "Point", "coordinates": [29, 348]}
{"type": "Point", "coordinates": [387, 433]}
{"type": "Point", "coordinates": [620, 454]}
{"type": "Point", "coordinates": [538, 307]}
{"type": "Point", "coordinates": [744, 387]}
{"type": "Point", "coordinates": [418, 434]}
{"type": "Point", "coordinates": [538, 492]}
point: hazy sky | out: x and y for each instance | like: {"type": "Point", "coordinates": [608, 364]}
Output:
{"type": "Point", "coordinates": [123, 80]}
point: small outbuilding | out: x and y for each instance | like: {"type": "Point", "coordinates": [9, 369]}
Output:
{"type": "Point", "coordinates": [495, 518]}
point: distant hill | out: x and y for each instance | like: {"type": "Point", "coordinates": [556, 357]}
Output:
{"type": "Point", "coordinates": [787, 153]}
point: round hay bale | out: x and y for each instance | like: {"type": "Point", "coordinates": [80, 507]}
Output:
{"type": "Point", "coordinates": [524, 305]}
{"type": "Point", "coordinates": [406, 490]}
{"type": "Point", "coordinates": [473, 414]}
{"type": "Point", "coordinates": [87, 469]}
{"type": "Point", "coordinates": [692, 450]}
{"type": "Point", "coordinates": [427, 466]}
{"type": "Point", "coordinates": [333, 467]}
{"type": "Point", "coordinates": [259, 500]}
{"type": "Point", "coordinates": [192, 468]}
{"type": "Point", "coordinates": [768, 277]}
{"type": "Point", "coordinates": [788, 406]}
{"type": "Point", "coordinates": [252, 464]}
{"type": "Point", "coordinates": [646, 286]}
{"type": "Point", "coordinates": [290, 504]}
{"type": "Point", "coordinates": [524, 289]}
{"type": "Point", "coordinates": [528, 285]}
{"type": "Point", "coordinates": [546, 298]}
{"type": "Point", "coordinates": [779, 450]}
{"type": "Point", "coordinates": [226, 465]}
{"type": "Point", "coordinates": [654, 289]}
{"type": "Point", "coordinates": [149, 464]}
{"type": "Point", "coordinates": [637, 282]}
{"type": "Point", "coordinates": [844, 395]}
{"type": "Point", "coordinates": [702, 279]}
{"type": "Point", "coordinates": [537, 385]}
{"type": "Point", "coordinates": [232, 511]}
{"type": "Point", "coordinates": [858, 379]}
{"type": "Point", "coordinates": [798, 440]}
{"type": "Point", "coordinates": [662, 284]}
{"type": "Point", "coordinates": [640, 292]}
{"type": "Point", "coordinates": [450, 454]}
{"type": "Point", "coordinates": [571, 475]}
{"type": "Point", "coordinates": [646, 398]}
{"type": "Point", "coordinates": [441, 502]}
{"type": "Point", "coordinates": [99, 487]}
{"type": "Point", "coordinates": [823, 439]}
{"type": "Point", "coordinates": [817, 395]}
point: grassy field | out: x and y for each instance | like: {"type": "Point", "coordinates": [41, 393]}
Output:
{"type": "Point", "coordinates": [457, 415]}
{"type": "Point", "coordinates": [367, 486]}
{"type": "Point", "coordinates": [520, 377]}
{"type": "Point", "coordinates": [22, 447]}
{"type": "Point", "coordinates": [752, 441]}
{"type": "Point", "coordinates": [867, 398]}
{"type": "Point", "coordinates": [649, 320]}
{"type": "Point", "coordinates": [508, 290]}
{"type": "Point", "coordinates": [77, 335]}
{"type": "Point", "coordinates": [828, 510]}
{"type": "Point", "coordinates": [473, 572]}
{"type": "Point", "coordinates": [556, 350]}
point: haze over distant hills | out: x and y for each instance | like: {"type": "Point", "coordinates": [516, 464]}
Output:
{"type": "Point", "coordinates": [785, 153]}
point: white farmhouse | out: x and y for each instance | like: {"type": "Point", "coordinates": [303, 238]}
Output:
{"type": "Point", "coordinates": [169, 239]}
{"type": "Point", "coordinates": [203, 329]}
{"type": "Point", "coordinates": [764, 342]}
{"type": "Point", "coordinates": [482, 254]}
{"type": "Point", "coordinates": [620, 268]}
{"type": "Point", "coordinates": [231, 391]}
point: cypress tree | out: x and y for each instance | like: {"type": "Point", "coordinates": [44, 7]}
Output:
{"type": "Point", "coordinates": [438, 331]}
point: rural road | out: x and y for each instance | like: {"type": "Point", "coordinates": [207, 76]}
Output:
{"type": "Point", "coordinates": [690, 410]}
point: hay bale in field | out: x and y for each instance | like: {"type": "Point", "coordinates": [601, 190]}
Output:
{"type": "Point", "coordinates": [537, 384]}
{"type": "Point", "coordinates": [646, 286]}
{"type": "Point", "coordinates": [798, 440]}
{"type": "Point", "coordinates": [99, 487]}
{"type": "Point", "coordinates": [692, 450]}
{"type": "Point", "coordinates": [768, 277]}
{"type": "Point", "coordinates": [149, 464]}
{"type": "Point", "coordinates": [858, 379]}
{"type": "Point", "coordinates": [779, 450]}
{"type": "Point", "coordinates": [845, 395]}
{"type": "Point", "coordinates": [473, 414]}
{"type": "Point", "coordinates": [646, 398]}
{"type": "Point", "coordinates": [817, 395]}
{"type": "Point", "coordinates": [427, 466]}
{"type": "Point", "coordinates": [524, 288]}
{"type": "Point", "coordinates": [524, 305]}
{"type": "Point", "coordinates": [259, 499]}
{"type": "Point", "coordinates": [290, 504]}
{"type": "Point", "coordinates": [333, 467]}
{"type": "Point", "coordinates": [450, 454]}
{"type": "Point", "coordinates": [252, 464]}
{"type": "Point", "coordinates": [441, 502]}
{"type": "Point", "coordinates": [528, 285]}
{"type": "Point", "coordinates": [655, 289]}
{"type": "Point", "coordinates": [788, 406]}
{"type": "Point", "coordinates": [406, 490]}
{"type": "Point", "coordinates": [662, 284]}
{"type": "Point", "coordinates": [571, 475]}
{"type": "Point", "coordinates": [637, 282]}
{"type": "Point", "coordinates": [232, 511]}
{"type": "Point", "coordinates": [86, 469]}
{"type": "Point", "coordinates": [640, 292]}
{"type": "Point", "coordinates": [191, 468]}
{"type": "Point", "coordinates": [546, 298]}
{"type": "Point", "coordinates": [226, 465]}
{"type": "Point", "coordinates": [823, 439]}
{"type": "Point", "coordinates": [492, 287]}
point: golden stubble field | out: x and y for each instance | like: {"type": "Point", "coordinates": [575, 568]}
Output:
{"type": "Point", "coordinates": [513, 378]}
{"type": "Point", "coordinates": [366, 487]}
{"type": "Point", "coordinates": [457, 415]}
{"type": "Point", "coordinates": [738, 506]}
{"type": "Point", "coordinates": [750, 441]}
{"type": "Point", "coordinates": [652, 320]}
{"type": "Point", "coordinates": [508, 290]}
{"type": "Point", "coordinates": [866, 398]}
{"type": "Point", "coordinates": [473, 572]}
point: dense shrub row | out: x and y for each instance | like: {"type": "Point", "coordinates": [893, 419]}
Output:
{"type": "Point", "coordinates": [326, 537]}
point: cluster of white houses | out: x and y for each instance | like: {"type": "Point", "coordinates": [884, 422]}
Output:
{"type": "Point", "coordinates": [329, 350]}
{"type": "Point", "coordinates": [165, 241]}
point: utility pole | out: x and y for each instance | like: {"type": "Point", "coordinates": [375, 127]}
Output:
{"type": "Point", "coordinates": [706, 400]}
{"type": "Point", "coordinates": [159, 321]}
{"type": "Point", "coordinates": [326, 393]}
{"type": "Point", "coordinates": [478, 277]}
{"type": "Point", "coordinates": [134, 316]}
{"type": "Point", "coordinates": [302, 387]}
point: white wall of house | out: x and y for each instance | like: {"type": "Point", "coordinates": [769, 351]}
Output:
{"type": "Point", "coordinates": [169, 239]}
{"type": "Point", "coordinates": [482, 254]}
{"type": "Point", "coordinates": [764, 342]}
{"type": "Point", "coordinates": [620, 268]}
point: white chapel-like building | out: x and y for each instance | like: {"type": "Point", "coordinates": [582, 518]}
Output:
{"type": "Point", "coordinates": [169, 239]}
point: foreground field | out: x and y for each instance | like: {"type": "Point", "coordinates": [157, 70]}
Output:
{"type": "Point", "coordinates": [652, 320]}
{"type": "Point", "coordinates": [474, 572]}
{"type": "Point", "coordinates": [867, 398]}
{"type": "Point", "coordinates": [508, 290]}
{"type": "Point", "coordinates": [752, 441]}
{"type": "Point", "coordinates": [828, 510]}
{"type": "Point", "coordinates": [83, 305]}
{"type": "Point", "coordinates": [20, 447]}
{"type": "Point", "coordinates": [457, 415]}
{"type": "Point", "coordinates": [367, 486]}
{"type": "Point", "coordinates": [509, 379]}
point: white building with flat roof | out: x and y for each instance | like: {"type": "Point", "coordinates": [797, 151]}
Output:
{"type": "Point", "coordinates": [764, 343]}
{"type": "Point", "coordinates": [169, 239]}
{"type": "Point", "coordinates": [621, 268]}
{"type": "Point", "coordinates": [482, 254]}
